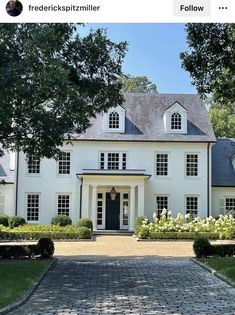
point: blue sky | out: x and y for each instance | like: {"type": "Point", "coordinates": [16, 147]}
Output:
{"type": "Point", "coordinates": [153, 51]}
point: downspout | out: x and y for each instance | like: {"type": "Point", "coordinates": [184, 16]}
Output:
{"type": "Point", "coordinates": [208, 180]}
{"type": "Point", "coordinates": [80, 209]}
{"type": "Point", "coordinates": [17, 183]}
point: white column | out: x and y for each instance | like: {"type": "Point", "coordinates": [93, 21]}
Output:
{"type": "Point", "coordinates": [132, 208]}
{"type": "Point", "coordinates": [140, 199]}
{"type": "Point", "coordinates": [85, 201]}
{"type": "Point", "coordinates": [94, 207]}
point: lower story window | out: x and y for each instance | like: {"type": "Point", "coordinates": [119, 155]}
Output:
{"type": "Point", "coordinates": [229, 205]}
{"type": "Point", "coordinates": [162, 203]}
{"type": "Point", "coordinates": [192, 206]}
{"type": "Point", "coordinates": [63, 204]}
{"type": "Point", "coordinates": [2, 204]}
{"type": "Point", "coordinates": [125, 210]}
{"type": "Point", "coordinates": [32, 207]}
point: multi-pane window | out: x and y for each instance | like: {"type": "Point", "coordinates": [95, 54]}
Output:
{"type": "Point", "coordinates": [64, 163]}
{"type": "Point", "coordinates": [99, 209]}
{"type": "Point", "coordinates": [32, 207]}
{"type": "Point", "coordinates": [192, 165]}
{"type": "Point", "coordinates": [161, 203]}
{"type": "Point", "coordinates": [2, 204]}
{"type": "Point", "coordinates": [176, 121]}
{"type": "Point", "coordinates": [162, 164]}
{"type": "Point", "coordinates": [113, 160]}
{"type": "Point", "coordinates": [114, 120]}
{"type": "Point", "coordinates": [125, 209]}
{"type": "Point", "coordinates": [33, 165]}
{"type": "Point", "coordinates": [192, 206]}
{"type": "Point", "coordinates": [229, 205]}
{"type": "Point", "coordinates": [63, 204]}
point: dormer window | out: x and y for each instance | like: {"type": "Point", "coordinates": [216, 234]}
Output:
{"type": "Point", "coordinates": [176, 121]}
{"type": "Point", "coordinates": [114, 120]}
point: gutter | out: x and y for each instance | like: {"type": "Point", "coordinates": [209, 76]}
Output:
{"type": "Point", "coordinates": [208, 180]}
{"type": "Point", "coordinates": [80, 206]}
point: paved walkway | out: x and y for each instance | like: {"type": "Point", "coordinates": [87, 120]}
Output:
{"type": "Point", "coordinates": [130, 286]}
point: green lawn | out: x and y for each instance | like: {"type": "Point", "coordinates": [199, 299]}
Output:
{"type": "Point", "coordinates": [16, 277]}
{"type": "Point", "coordinates": [224, 265]}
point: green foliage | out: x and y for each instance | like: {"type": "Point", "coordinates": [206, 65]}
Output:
{"type": "Point", "coordinates": [223, 122]}
{"type": "Point", "coordinates": [143, 232]}
{"type": "Point", "coordinates": [85, 222]}
{"type": "Point", "coordinates": [61, 220]}
{"type": "Point", "coordinates": [71, 78]}
{"type": "Point", "coordinates": [139, 84]}
{"type": "Point", "coordinates": [45, 247]}
{"type": "Point", "coordinates": [210, 60]}
{"type": "Point", "coordinates": [223, 250]}
{"type": "Point", "coordinates": [224, 265]}
{"type": "Point", "coordinates": [202, 247]}
{"type": "Point", "coordinates": [84, 232]}
{"type": "Point", "coordinates": [139, 222]}
{"type": "Point", "coordinates": [4, 220]}
{"type": "Point", "coordinates": [17, 251]}
{"type": "Point", "coordinates": [16, 221]}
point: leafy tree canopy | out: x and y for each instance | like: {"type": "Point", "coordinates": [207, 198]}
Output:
{"type": "Point", "coordinates": [210, 60]}
{"type": "Point", "coordinates": [138, 84]}
{"type": "Point", "coordinates": [223, 122]}
{"type": "Point", "coordinates": [52, 81]}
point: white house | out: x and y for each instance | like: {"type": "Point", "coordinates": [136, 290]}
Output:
{"type": "Point", "coordinates": [153, 152]}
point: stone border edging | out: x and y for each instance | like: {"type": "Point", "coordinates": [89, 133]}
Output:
{"type": "Point", "coordinates": [29, 292]}
{"type": "Point", "coordinates": [213, 272]}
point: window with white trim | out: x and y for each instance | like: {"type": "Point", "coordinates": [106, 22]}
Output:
{"type": "Point", "coordinates": [113, 160]}
{"type": "Point", "coordinates": [162, 164]}
{"type": "Point", "coordinates": [100, 205]}
{"type": "Point", "coordinates": [33, 165]}
{"type": "Point", "coordinates": [2, 204]}
{"type": "Point", "coordinates": [63, 204]}
{"type": "Point", "coordinates": [114, 120]}
{"type": "Point", "coordinates": [192, 206]}
{"type": "Point", "coordinates": [32, 207]}
{"type": "Point", "coordinates": [161, 203]}
{"type": "Point", "coordinates": [125, 209]}
{"type": "Point", "coordinates": [192, 165]}
{"type": "Point", "coordinates": [64, 163]}
{"type": "Point", "coordinates": [176, 121]}
{"type": "Point", "coordinates": [229, 205]}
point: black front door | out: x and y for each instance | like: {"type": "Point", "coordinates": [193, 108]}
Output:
{"type": "Point", "coordinates": [112, 221]}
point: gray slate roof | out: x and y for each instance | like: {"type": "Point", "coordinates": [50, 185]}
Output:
{"type": "Point", "coordinates": [5, 173]}
{"type": "Point", "coordinates": [144, 120]}
{"type": "Point", "coordinates": [223, 173]}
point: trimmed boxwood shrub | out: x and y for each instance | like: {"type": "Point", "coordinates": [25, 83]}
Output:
{"type": "Point", "coordinates": [16, 221]}
{"type": "Point", "coordinates": [138, 223]}
{"type": "Point", "coordinates": [202, 247]}
{"type": "Point", "coordinates": [45, 247]}
{"type": "Point", "coordinates": [84, 232]}
{"type": "Point", "coordinates": [223, 250]}
{"type": "Point", "coordinates": [181, 235]}
{"type": "Point", "coordinates": [4, 220]}
{"type": "Point", "coordinates": [17, 251]}
{"type": "Point", "coordinates": [143, 232]}
{"type": "Point", "coordinates": [85, 222]}
{"type": "Point", "coordinates": [61, 220]}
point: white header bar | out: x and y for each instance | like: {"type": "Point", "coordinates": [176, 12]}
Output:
{"type": "Point", "coordinates": [122, 11]}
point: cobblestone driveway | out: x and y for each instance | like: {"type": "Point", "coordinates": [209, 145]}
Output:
{"type": "Point", "coordinates": [130, 286]}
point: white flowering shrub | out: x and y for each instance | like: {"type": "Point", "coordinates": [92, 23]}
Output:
{"type": "Point", "coordinates": [184, 226]}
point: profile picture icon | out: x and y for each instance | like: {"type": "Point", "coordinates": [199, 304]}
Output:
{"type": "Point", "coordinates": [14, 7]}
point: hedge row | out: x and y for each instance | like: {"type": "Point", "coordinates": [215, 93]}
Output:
{"type": "Point", "coordinates": [40, 234]}
{"type": "Point", "coordinates": [182, 235]}
{"type": "Point", "coordinates": [203, 248]}
{"type": "Point", "coordinates": [44, 248]}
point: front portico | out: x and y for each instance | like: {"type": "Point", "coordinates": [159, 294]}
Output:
{"type": "Point", "coordinates": [116, 212]}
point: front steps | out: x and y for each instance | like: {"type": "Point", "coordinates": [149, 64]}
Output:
{"type": "Point", "coordinates": [113, 232]}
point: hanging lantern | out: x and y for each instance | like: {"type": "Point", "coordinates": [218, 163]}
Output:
{"type": "Point", "coordinates": [113, 194]}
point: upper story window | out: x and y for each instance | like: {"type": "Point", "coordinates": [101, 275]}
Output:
{"type": "Point", "coordinates": [192, 165]}
{"type": "Point", "coordinates": [175, 121]}
{"type": "Point", "coordinates": [33, 165]}
{"type": "Point", "coordinates": [162, 164]}
{"type": "Point", "coordinates": [113, 160]}
{"type": "Point", "coordinates": [64, 163]}
{"type": "Point", "coordinates": [114, 120]}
